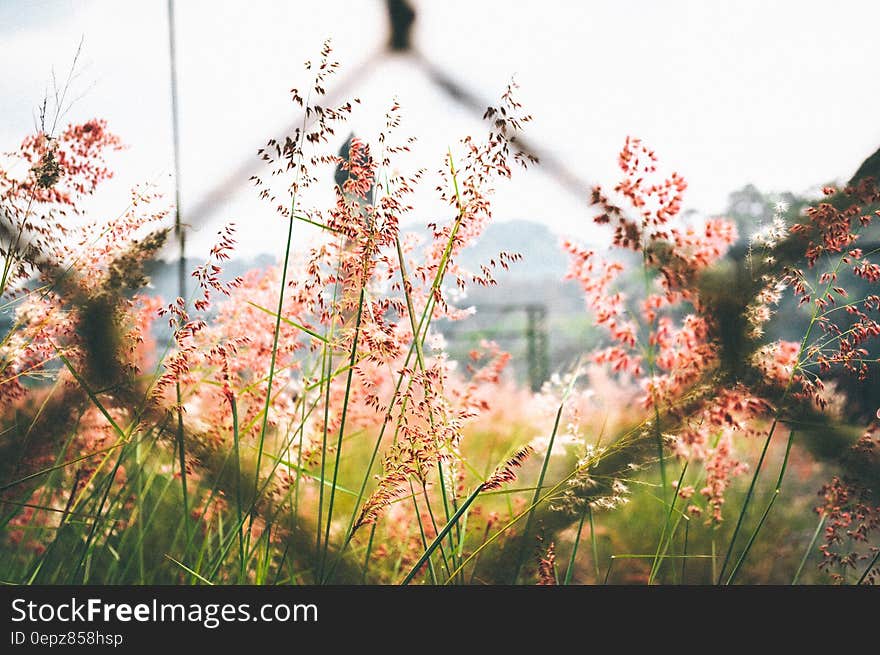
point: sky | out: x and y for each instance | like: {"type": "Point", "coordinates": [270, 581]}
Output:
{"type": "Point", "coordinates": [781, 94]}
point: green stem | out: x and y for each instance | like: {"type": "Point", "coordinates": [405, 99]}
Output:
{"type": "Point", "coordinates": [684, 558]}
{"type": "Point", "coordinates": [139, 549]}
{"type": "Point", "coordinates": [348, 382]}
{"type": "Point", "coordinates": [809, 549]}
{"type": "Point", "coordinates": [798, 363]}
{"type": "Point", "coordinates": [742, 512]}
{"type": "Point", "coordinates": [530, 519]}
{"type": "Point", "coordinates": [440, 536]}
{"type": "Point", "coordinates": [416, 346]}
{"type": "Point", "coordinates": [662, 545]}
{"type": "Point", "coordinates": [326, 380]}
{"type": "Point", "coordinates": [368, 553]}
{"type": "Point", "coordinates": [238, 503]}
{"type": "Point", "coordinates": [595, 543]}
{"type": "Point", "coordinates": [870, 566]}
{"type": "Point", "coordinates": [272, 360]}
{"type": "Point", "coordinates": [608, 572]}
{"type": "Point", "coordinates": [443, 557]}
{"type": "Point", "coordinates": [569, 571]}
{"type": "Point", "coordinates": [181, 455]}
{"type": "Point", "coordinates": [427, 551]}
{"type": "Point", "coordinates": [776, 491]}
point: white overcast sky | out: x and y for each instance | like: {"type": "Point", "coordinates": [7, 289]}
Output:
{"type": "Point", "coordinates": [780, 94]}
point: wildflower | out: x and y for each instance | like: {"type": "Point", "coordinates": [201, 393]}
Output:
{"type": "Point", "coordinates": [547, 565]}
{"type": "Point", "coordinates": [505, 472]}
{"type": "Point", "coordinates": [777, 360]}
{"type": "Point", "coordinates": [686, 492]}
{"type": "Point", "coordinates": [851, 518]}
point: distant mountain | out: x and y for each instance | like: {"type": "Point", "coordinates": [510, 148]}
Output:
{"type": "Point", "coordinates": [542, 256]}
{"type": "Point", "coordinates": [163, 273]}
{"type": "Point", "coordinates": [538, 277]}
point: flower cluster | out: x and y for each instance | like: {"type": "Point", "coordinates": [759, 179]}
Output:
{"type": "Point", "coordinates": [74, 288]}
{"type": "Point", "coordinates": [43, 182]}
{"type": "Point", "coordinates": [830, 237]}
{"type": "Point", "coordinates": [851, 516]}
{"type": "Point", "coordinates": [669, 350]}
{"type": "Point", "coordinates": [645, 338]}
{"type": "Point", "coordinates": [547, 564]}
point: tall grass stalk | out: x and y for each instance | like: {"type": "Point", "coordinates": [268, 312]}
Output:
{"type": "Point", "coordinates": [181, 458]}
{"type": "Point", "coordinates": [345, 405]}
{"type": "Point", "coordinates": [569, 570]}
{"type": "Point", "coordinates": [776, 491]}
{"type": "Point", "coordinates": [777, 417]}
{"type": "Point", "coordinates": [868, 569]}
{"type": "Point", "coordinates": [238, 501]}
{"type": "Point", "coordinates": [536, 497]}
{"type": "Point", "coordinates": [429, 550]}
{"type": "Point", "coordinates": [277, 328]}
{"type": "Point", "coordinates": [419, 331]}
{"type": "Point", "coordinates": [273, 357]}
{"type": "Point", "coordinates": [665, 535]}
{"type": "Point", "coordinates": [620, 444]}
{"type": "Point", "coordinates": [809, 550]}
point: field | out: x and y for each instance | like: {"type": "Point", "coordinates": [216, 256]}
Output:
{"type": "Point", "coordinates": [307, 423]}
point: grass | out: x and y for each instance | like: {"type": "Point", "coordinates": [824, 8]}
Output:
{"type": "Point", "coordinates": [309, 434]}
